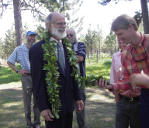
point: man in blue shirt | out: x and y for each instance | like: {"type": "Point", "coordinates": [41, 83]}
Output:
{"type": "Point", "coordinates": [21, 56]}
{"type": "Point", "coordinates": [80, 51]}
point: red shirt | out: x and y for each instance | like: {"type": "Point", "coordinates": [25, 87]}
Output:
{"type": "Point", "coordinates": [134, 60]}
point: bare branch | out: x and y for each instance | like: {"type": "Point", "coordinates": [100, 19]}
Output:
{"type": "Point", "coordinates": [34, 6]}
{"type": "Point", "coordinates": [4, 5]}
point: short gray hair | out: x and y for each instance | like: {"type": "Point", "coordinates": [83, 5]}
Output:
{"type": "Point", "coordinates": [49, 19]}
{"type": "Point", "coordinates": [123, 22]}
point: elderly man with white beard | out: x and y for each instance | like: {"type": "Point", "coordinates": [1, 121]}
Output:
{"type": "Point", "coordinates": [53, 70]}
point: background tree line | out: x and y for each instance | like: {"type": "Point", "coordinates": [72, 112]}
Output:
{"type": "Point", "coordinates": [94, 40]}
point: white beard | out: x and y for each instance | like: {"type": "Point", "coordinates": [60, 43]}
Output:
{"type": "Point", "coordinates": [58, 34]}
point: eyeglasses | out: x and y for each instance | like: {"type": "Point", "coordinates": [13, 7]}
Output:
{"type": "Point", "coordinates": [61, 23]}
{"type": "Point", "coordinates": [69, 35]}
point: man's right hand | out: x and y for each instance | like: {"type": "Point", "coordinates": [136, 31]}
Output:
{"type": "Point", "coordinates": [47, 115]}
{"type": "Point", "coordinates": [23, 72]}
{"type": "Point", "coordinates": [140, 79]}
{"type": "Point", "coordinates": [79, 58]}
{"type": "Point", "coordinates": [102, 83]}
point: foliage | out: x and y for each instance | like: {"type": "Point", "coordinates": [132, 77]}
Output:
{"type": "Point", "coordinates": [8, 44]}
{"type": "Point", "coordinates": [52, 74]}
{"type": "Point", "coordinates": [95, 71]}
{"type": "Point", "coordinates": [98, 69]}
{"type": "Point", "coordinates": [110, 43]}
{"type": "Point", "coordinates": [93, 41]}
{"type": "Point", "coordinates": [91, 80]}
{"type": "Point", "coordinates": [37, 7]}
{"type": "Point", "coordinates": [39, 32]}
{"type": "Point", "coordinates": [138, 17]}
{"type": "Point", "coordinates": [55, 5]}
{"type": "Point", "coordinates": [51, 68]}
{"type": "Point", "coordinates": [1, 45]}
{"type": "Point", "coordinates": [107, 63]}
{"type": "Point", "coordinates": [7, 75]}
{"type": "Point", "coordinates": [73, 21]}
{"type": "Point", "coordinates": [105, 2]}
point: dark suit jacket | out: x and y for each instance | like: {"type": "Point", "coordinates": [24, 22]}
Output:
{"type": "Point", "coordinates": [69, 88]}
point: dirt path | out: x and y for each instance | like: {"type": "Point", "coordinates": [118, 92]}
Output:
{"type": "Point", "coordinates": [100, 107]}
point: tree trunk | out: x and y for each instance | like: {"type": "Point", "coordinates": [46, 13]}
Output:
{"type": "Point", "coordinates": [145, 16]}
{"type": "Point", "coordinates": [18, 21]}
{"type": "Point", "coordinates": [88, 56]}
{"type": "Point", "coordinates": [97, 56]}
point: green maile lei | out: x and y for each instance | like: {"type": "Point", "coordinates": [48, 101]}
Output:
{"type": "Point", "coordinates": [52, 73]}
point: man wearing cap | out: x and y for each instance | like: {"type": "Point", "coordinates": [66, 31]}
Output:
{"type": "Point", "coordinates": [21, 56]}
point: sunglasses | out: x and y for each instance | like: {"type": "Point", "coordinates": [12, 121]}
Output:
{"type": "Point", "coordinates": [69, 35]}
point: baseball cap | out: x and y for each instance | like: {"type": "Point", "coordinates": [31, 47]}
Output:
{"type": "Point", "coordinates": [30, 33]}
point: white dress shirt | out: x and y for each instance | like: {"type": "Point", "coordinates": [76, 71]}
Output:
{"type": "Point", "coordinates": [116, 68]}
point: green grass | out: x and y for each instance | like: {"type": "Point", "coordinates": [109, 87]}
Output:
{"type": "Point", "coordinates": [98, 69]}
{"type": "Point", "coordinates": [7, 75]}
{"type": "Point", "coordinates": [100, 106]}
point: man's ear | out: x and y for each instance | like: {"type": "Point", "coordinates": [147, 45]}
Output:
{"type": "Point", "coordinates": [131, 26]}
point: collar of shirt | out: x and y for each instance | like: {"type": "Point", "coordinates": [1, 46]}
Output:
{"type": "Point", "coordinates": [25, 47]}
{"type": "Point", "coordinates": [58, 44]}
{"type": "Point", "coordinates": [53, 39]}
{"type": "Point", "coordinates": [139, 53]}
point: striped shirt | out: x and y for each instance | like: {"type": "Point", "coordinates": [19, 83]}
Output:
{"type": "Point", "coordinates": [80, 50]}
{"type": "Point", "coordinates": [20, 55]}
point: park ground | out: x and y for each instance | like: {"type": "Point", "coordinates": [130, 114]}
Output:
{"type": "Point", "coordinates": [100, 104]}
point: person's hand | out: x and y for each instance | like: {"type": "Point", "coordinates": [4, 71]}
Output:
{"type": "Point", "coordinates": [102, 83]}
{"type": "Point", "coordinates": [23, 72]}
{"type": "Point", "coordinates": [79, 58]}
{"type": "Point", "coordinates": [131, 93]}
{"type": "Point", "coordinates": [139, 79]}
{"type": "Point", "coordinates": [80, 105]}
{"type": "Point", "coordinates": [47, 115]}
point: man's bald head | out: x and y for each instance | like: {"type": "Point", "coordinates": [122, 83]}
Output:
{"type": "Point", "coordinates": [52, 17]}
